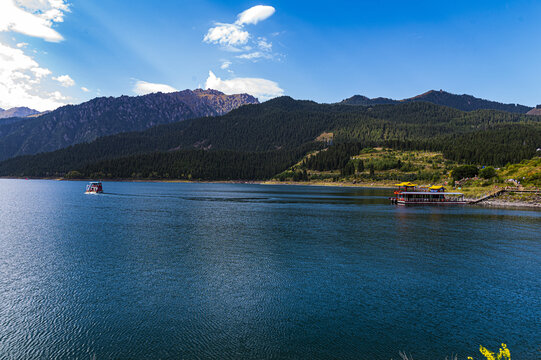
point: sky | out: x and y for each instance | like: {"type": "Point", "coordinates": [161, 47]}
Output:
{"type": "Point", "coordinates": [57, 52]}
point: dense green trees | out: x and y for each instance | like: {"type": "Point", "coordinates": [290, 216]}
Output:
{"type": "Point", "coordinates": [487, 172]}
{"type": "Point", "coordinates": [197, 165]}
{"type": "Point", "coordinates": [282, 130]}
{"type": "Point", "coordinates": [335, 157]}
{"type": "Point", "coordinates": [348, 169]}
{"type": "Point", "coordinates": [464, 171]}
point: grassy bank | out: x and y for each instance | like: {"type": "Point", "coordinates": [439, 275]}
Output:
{"type": "Point", "coordinates": [380, 167]}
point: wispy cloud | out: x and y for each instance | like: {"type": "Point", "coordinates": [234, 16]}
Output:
{"type": "Point", "coordinates": [84, 89]}
{"type": "Point", "coordinates": [253, 56]}
{"type": "Point", "coordinates": [263, 51]}
{"type": "Point", "coordinates": [64, 80]}
{"type": "Point", "coordinates": [263, 89]}
{"type": "Point", "coordinates": [143, 88]}
{"type": "Point", "coordinates": [225, 65]}
{"type": "Point", "coordinates": [33, 17]}
{"type": "Point", "coordinates": [263, 44]}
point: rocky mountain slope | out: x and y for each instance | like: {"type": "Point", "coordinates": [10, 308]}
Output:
{"type": "Point", "coordinates": [535, 111]}
{"type": "Point", "coordinates": [461, 102]}
{"type": "Point", "coordinates": [73, 124]}
{"type": "Point", "coordinates": [17, 112]}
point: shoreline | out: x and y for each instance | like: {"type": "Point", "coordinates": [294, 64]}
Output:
{"type": "Point", "coordinates": [259, 182]}
{"type": "Point", "coordinates": [509, 204]}
{"type": "Point", "coordinates": [489, 203]}
{"type": "Point", "coordinates": [135, 180]}
{"type": "Point", "coordinates": [368, 185]}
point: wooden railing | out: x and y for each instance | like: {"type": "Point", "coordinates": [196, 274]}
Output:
{"type": "Point", "coordinates": [499, 192]}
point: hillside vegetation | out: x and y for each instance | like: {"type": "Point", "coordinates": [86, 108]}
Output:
{"type": "Point", "coordinates": [528, 172]}
{"type": "Point", "coordinates": [350, 164]}
{"type": "Point", "coordinates": [353, 164]}
{"type": "Point", "coordinates": [288, 128]}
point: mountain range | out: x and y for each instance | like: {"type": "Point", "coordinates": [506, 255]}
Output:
{"type": "Point", "coordinates": [277, 133]}
{"type": "Point", "coordinates": [265, 129]}
{"type": "Point", "coordinates": [17, 112]}
{"type": "Point", "coordinates": [461, 102]}
{"type": "Point", "coordinates": [74, 124]}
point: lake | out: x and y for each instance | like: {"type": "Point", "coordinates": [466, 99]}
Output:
{"type": "Point", "coordinates": [231, 271]}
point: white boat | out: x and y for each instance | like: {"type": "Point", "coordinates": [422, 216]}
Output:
{"type": "Point", "coordinates": [94, 187]}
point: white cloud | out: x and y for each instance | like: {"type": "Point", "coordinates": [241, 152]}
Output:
{"type": "Point", "coordinates": [20, 79]}
{"type": "Point", "coordinates": [255, 14]}
{"type": "Point", "coordinates": [263, 89]}
{"type": "Point", "coordinates": [143, 88]}
{"type": "Point", "coordinates": [84, 89]}
{"type": "Point", "coordinates": [33, 17]}
{"type": "Point", "coordinates": [20, 74]}
{"type": "Point", "coordinates": [254, 56]}
{"type": "Point", "coordinates": [230, 36]}
{"type": "Point", "coordinates": [225, 65]}
{"type": "Point", "coordinates": [65, 80]}
{"type": "Point", "coordinates": [40, 72]}
{"type": "Point", "coordinates": [43, 6]}
{"type": "Point", "coordinates": [227, 34]}
{"type": "Point", "coordinates": [265, 51]}
{"type": "Point", "coordinates": [264, 44]}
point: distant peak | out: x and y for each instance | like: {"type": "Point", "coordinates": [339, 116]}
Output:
{"type": "Point", "coordinates": [429, 92]}
{"type": "Point", "coordinates": [366, 101]}
{"type": "Point", "coordinates": [462, 102]}
{"type": "Point", "coordinates": [21, 111]}
{"type": "Point", "coordinates": [208, 91]}
{"type": "Point", "coordinates": [281, 99]}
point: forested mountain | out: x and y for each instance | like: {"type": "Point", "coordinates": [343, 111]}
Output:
{"type": "Point", "coordinates": [366, 101]}
{"type": "Point", "coordinates": [287, 128]}
{"type": "Point", "coordinates": [73, 124]}
{"type": "Point", "coordinates": [461, 102]}
{"type": "Point", "coordinates": [17, 112]}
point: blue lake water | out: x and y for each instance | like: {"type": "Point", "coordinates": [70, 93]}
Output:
{"type": "Point", "coordinates": [231, 271]}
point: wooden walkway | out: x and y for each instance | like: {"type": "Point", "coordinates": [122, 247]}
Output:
{"type": "Point", "coordinates": [489, 196]}
{"type": "Point", "coordinates": [500, 192]}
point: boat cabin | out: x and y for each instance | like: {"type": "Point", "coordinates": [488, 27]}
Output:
{"type": "Point", "coordinates": [408, 193]}
{"type": "Point", "coordinates": [94, 187]}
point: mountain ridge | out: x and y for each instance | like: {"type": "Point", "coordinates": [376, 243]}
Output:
{"type": "Point", "coordinates": [462, 102]}
{"type": "Point", "coordinates": [290, 127]}
{"type": "Point", "coordinates": [74, 124]}
{"type": "Point", "coordinates": [20, 111]}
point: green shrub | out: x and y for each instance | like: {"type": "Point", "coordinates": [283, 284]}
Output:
{"type": "Point", "coordinates": [74, 174]}
{"type": "Point", "coordinates": [487, 173]}
{"type": "Point", "coordinates": [464, 171]}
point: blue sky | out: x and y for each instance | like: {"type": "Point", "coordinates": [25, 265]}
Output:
{"type": "Point", "coordinates": [54, 52]}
